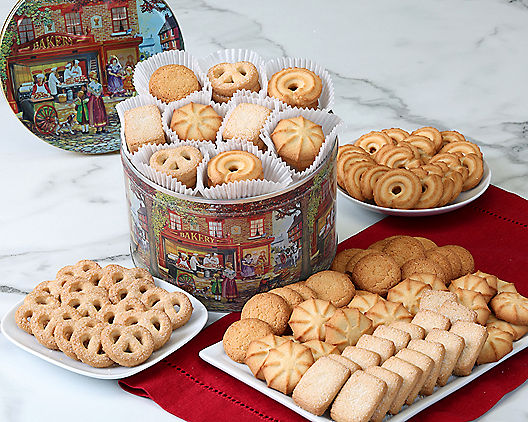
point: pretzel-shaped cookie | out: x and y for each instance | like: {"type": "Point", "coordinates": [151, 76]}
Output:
{"type": "Point", "coordinates": [128, 289]}
{"type": "Point", "coordinates": [45, 320]}
{"type": "Point", "coordinates": [32, 302]}
{"type": "Point", "coordinates": [83, 268]}
{"type": "Point", "coordinates": [86, 343]}
{"type": "Point", "coordinates": [88, 304]}
{"type": "Point", "coordinates": [50, 287]}
{"type": "Point", "coordinates": [128, 346]}
{"type": "Point", "coordinates": [108, 312]}
{"type": "Point", "coordinates": [227, 78]}
{"type": "Point", "coordinates": [79, 285]}
{"type": "Point", "coordinates": [62, 336]}
{"type": "Point", "coordinates": [295, 86]}
{"type": "Point", "coordinates": [155, 321]}
{"type": "Point", "coordinates": [162, 300]}
{"type": "Point", "coordinates": [179, 162]}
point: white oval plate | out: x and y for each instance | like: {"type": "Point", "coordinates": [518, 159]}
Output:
{"type": "Point", "coordinates": [463, 199]}
{"type": "Point", "coordinates": [178, 338]}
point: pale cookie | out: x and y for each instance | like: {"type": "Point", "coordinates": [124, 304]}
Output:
{"type": "Point", "coordinates": [383, 347]}
{"type": "Point", "coordinates": [142, 125]}
{"type": "Point", "coordinates": [173, 82]}
{"type": "Point", "coordinates": [108, 312]}
{"type": "Point", "coordinates": [420, 360]}
{"type": "Point", "coordinates": [157, 298]}
{"type": "Point", "coordinates": [332, 286]}
{"type": "Point", "coordinates": [87, 304]}
{"type": "Point", "coordinates": [394, 383]}
{"type": "Point", "coordinates": [511, 307]}
{"type": "Point", "coordinates": [319, 385]}
{"type": "Point", "coordinates": [410, 374]}
{"type": "Point", "coordinates": [303, 290]}
{"type": "Point", "coordinates": [399, 338]}
{"type": "Point", "coordinates": [179, 162]}
{"type": "Point", "coordinates": [474, 301]}
{"type": "Point", "coordinates": [387, 312]}
{"type": "Point", "coordinates": [376, 273]}
{"type": "Point", "coordinates": [240, 334]}
{"type": "Point", "coordinates": [198, 122]}
{"type": "Point", "coordinates": [504, 286]}
{"type": "Point", "coordinates": [245, 122]}
{"type": "Point", "coordinates": [498, 344]}
{"type": "Point", "coordinates": [457, 312]}
{"type": "Point", "coordinates": [346, 326]}
{"type": "Point", "coordinates": [432, 280]}
{"type": "Point", "coordinates": [346, 362]}
{"type": "Point", "coordinates": [44, 321]}
{"type": "Point", "coordinates": [433, 300]}
{"type": "Point", "coordinates": [429, 320]}
{"type": "Point", "coordinates": [81, 285]}
{"type": "Point", "coordinates": [320, 348]}
{"type": "Point", "coordinates": [415, 331]}
{"type": "Point", "coordinates": [475, 336]}
{"type": "Point", "coordinates": [491, 279]}
{"type": "Point", "coordinates": [128, 346]}
{"type": "Point", "coordinates": [308, 319]}
{"type": "Point", "coordinates": [453, 345]}
{"type": "Point", "coordinates": [475, 283]}
{"type": "Point", "coordinates": [363, 357]}
{"type": "Point", "coordinates": [48, 287]}
{"type": "Point", "coordinates": [269, 308]}
{"type": "Point", "coordinates": [32, 302]}
{"type": "Point", "coordinates": [86, 343]}
{"type": "Point", "coordinates": [84, 268]}
{"type": "Point", "coordinates": [285, 365]}
{"type": "Point", "coordinates": [258, 350]}
{"type": "Point", "coordinates": [436, 351]}
{"type": "Point", "coordinates": [113, 274]}
{"type": "Point", "coordinates": [364, 300]}
{"type": "Point", "coordinates": [359, 398]}
{"type": "Point", "coordinates": [289, 295]}
{"type": "Point", "coordinates": [155, 321]}
{"type": "Point", "coordinates": [408, 293]}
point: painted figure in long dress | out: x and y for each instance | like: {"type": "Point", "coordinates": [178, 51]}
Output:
{"type": "Point", "coordinates": [247, 269]}
{"type": "Point", "coordinates": [96, 107]}
{"type": "Point", "coordinates": [115, 77]}
{"type": "Point", "coordinates": [229, 286]}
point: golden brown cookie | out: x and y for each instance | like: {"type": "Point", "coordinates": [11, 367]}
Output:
{"type": "Point", "coordinates": [298, 141]}
{"type": "Point", "coordinates": [454, 260]}
{"type": "Point", "coordinates": [432, 280]}
{"type": "Point", "coordinates": [173, 82]}
{"type": "Point", "coordinates": [195, 121]}
{"type": "Point", "coordinates": [86, 342]}
{"type": "Point", "coordinates": [296, 86]}
{"type": "Point", "coordinates": [240, 334]}
{"type": "Point", "coordinates": [157, 298]}
{"type": "Point", "coordinates": [179, 162]}
{"type": "Point", "coordinates": [498, 344]}
{"type": "Point", "coordinates": [269, 308]}
{"type": "Point", "coordinates": [404, 248]}
{"type": "Point", "coordinates": [289, 295]}
{"type": "Point", "coordinates": [475, 283]}
{"type": "Point", "coordinates": [308, 319]}
{"type": "Point", "coordinates": [386, 312]}
{"type": "Point", "coordinates": [126, 345]}
{"type": "Point", "coordinates": [364, 300]}
{"type": "Point", "coordinates": [398, 188]}
{"type": "Point", "coordinates": [232, 166]}
{"type": "Point", "coordinates": [424, 266]}
{"type": "Point", "coordinates": [466, 259]}
{"type": "Point", "coordinates": [303, 290]}
{"type": "Point", "coordinates": [45, 319]}
{"type": "Point", "coordinates": [517, 331]}
{"type": "Point", "coordinates": [475, 301]}
{"type": "Point", "coordinates": [332, 286]}
{"type": "Point", "coordinates": [320, 348]}
{"type": "Point", "coordinates": [426, 243]}
{"type": "Point", "coordinates": [227, 78]}
{"type": "Point", "coordinates": [258, 350]}
{"type": "Point", "coordinates": [340, 261]}
{"type": "Point", "coordinates": [155, 321]}
{"type": "Point", "coordinates": [491, 279]}
{"type": "Point", "coordinates": [346, 326]}
{"type": "Point", "coordinates": [511, 307]}
{"type": "Point", "coordinates": [355, 258]}
{"type": "Point", "coordinates": [376, 273]}
{"type": "Point", "coordinates": [408, 293]}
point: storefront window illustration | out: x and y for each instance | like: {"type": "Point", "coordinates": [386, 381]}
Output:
{"type": "Point", "coordinates": [73, 23]}
{"type": "Point", "coordinates": [175, 221]}
{"type": "Point", "coordinates": [26, 32]}
{"type": "Point", "coordinates": [257, 228]}
{"type": "Point", "coordinates": [57, 44]}
{"type": "Point", "coordinates": [120, 19]}
{"type": "Point", "coordinates": [215, 228]}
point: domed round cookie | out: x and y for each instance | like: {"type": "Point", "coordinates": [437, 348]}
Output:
{"type": "Point", "coordinates": [424, 265]}
{"type": "Point", "coordinates": [466, 259]}
{"type": "Point", "coordinates": [355, 258]}
{"type": "Point", "coordinates": [426, 243]}
{"type": "Point", "coordinates": [240, 334]}
{"type": "Point", "coordinates": [380, 244]}
{"type": "Point", "coordinates": [291, 296]}
{"type": "Point", "coordinates": [332, 286]}
{"type": "Point", "coordinates": [441, 259]}
{"type": "Point", "coordinates": [303, 290]}
{"type": "Point", "coordinates": [454, 260]}
{"type": "Point", "coordinates": [341, 259]}
{"type": "Point", "coordinates": [173, 82]}
{"type": "Point", "coordinates": [269, 308]}
{"type": "Point", "coordinates": [404, 248]}
{"type": "Point", "coordinates": [376, 273]}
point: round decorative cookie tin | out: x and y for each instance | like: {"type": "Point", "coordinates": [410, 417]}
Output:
{"type": "Point", "coordinates": [65, 64]}
{"type": "Point", "coordinates": [223, 252]}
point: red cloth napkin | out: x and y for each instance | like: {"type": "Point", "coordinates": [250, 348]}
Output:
{"type": "Point", "coordinates": [494, 228]}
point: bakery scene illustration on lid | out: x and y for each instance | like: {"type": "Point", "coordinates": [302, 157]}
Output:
{"type": "Point", "coordinates": [65, 64]}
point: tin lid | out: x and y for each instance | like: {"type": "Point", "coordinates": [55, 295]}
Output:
{"type": "Point", "coordinates": [65, 64]}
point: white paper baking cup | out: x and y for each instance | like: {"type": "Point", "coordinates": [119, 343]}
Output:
{"type": "Point", "coordinates": [146, 68]}
{"type": "Point", "coordinates": [277, 175]}
{"type": "Point", "coordinates": [129, 104]}
{"type": "Point", "coordinates": [241, 97]}
{"type": "Point", "coordinates": [326, 100]}
{"type": "Point", "coordinates": [234, 55]}
{"type": "Point", "coordinates": [141, 160]}
{"type": "Point", "coordinates": [329, 122]}
{"type": "Point", "coordinates": [200, 97]}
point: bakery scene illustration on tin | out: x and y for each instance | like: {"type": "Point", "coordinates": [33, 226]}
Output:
{"type": "Point", "coordinates": [65, 64]}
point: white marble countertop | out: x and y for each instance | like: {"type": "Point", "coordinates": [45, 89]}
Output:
{"type": "Point", "coordinates": [451, 64]}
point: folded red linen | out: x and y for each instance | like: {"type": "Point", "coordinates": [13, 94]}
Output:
{"type": "Point", "coordinates": [494, 228]}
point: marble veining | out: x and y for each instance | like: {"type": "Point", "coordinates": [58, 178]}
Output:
{"type": "Point", "coordinates": [452, 65]}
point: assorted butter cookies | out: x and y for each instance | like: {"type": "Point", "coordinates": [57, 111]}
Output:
{"type": "Point", "coordinates": [142, 125]}
{"type": "Point", "coordinates": [198, 122]}
{"type": "Point", "coordinates": [173, 82]}
{"type": "Point", "coordinates": [298, 141]}
{"type": "Point", "coordinates": [103, 316]}
{"type": "Point", "coordinates": [179, 162]}
{"type": "Point", "coordinates": [228, 78]}
{"type": "Point", "coordinates": [233, 166]}
{"type": "Point", "coordinates": [297, 87]}
{"type": "Point", "coordinates": [395, 169]}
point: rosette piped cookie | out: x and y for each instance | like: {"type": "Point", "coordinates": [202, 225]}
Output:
{"type": "Point", "coordinates": [232, 166]}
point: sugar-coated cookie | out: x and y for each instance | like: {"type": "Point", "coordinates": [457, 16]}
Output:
{"type": "Point", "coordinates": [332, 286]}
{"type": "Point", "coordinates": [376, 273]}
{"type": "Point", "coordinates": [173, 82]}
{"type": "Point", "coordinates": [269, 308]}
{"type": "Point", "coordinates": [240, 334]}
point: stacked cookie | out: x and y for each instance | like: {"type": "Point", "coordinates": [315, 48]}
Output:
{"type": "Point", "coordinates": [395, 169]}
{"type": "Point", "coordinates": [365, 353]}
{"type": "Point", "coordinates": [103, 316]}
{"type": "Point", "coordinates": [228, 78]}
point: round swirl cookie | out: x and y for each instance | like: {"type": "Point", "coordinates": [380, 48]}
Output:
{"type": "Point", "coordinates": [232, 166]}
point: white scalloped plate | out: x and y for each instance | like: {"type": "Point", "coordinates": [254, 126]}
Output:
{"type": "Point", "coordinates": [463, 199]}
{"type": "Point", "coordinates": [216, 356]}
{"type": "Point", "coordinates": [179, 338]}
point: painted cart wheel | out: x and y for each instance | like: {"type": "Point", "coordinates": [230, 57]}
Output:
{"type": "Point", "coordinates": [185, 279]}
{"type": "Point", "coordinates": [46, 119]}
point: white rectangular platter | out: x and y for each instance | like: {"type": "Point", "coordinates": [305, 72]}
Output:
{"type": "Point", "coordinates": [216, 356]}
{"type": "Point", "coordinates": [179, 337]}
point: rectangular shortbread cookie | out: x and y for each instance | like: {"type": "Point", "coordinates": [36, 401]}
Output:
{"type": "Point", "coordinates": [399, 337]}
{"type": "Point", "coordinates": [453, 344]}
{"type": "Point", "coordinates": [429, 320]}
{"type": "Point", "coordinates": [363, 357]}
{"type": "Point", "coordinates": [143, 126]}
{"type": "Point", "coordinates": [436, 352]}
{"type": "Point", "coordinates": [353, 366]}
{"type": "Point", "coordinates": [383, 347]}
{"type": "Point", "coordinates": [457, 312]}
{"type": "Point", "coordinates": [319, 385]}
{"type": "Point", "coordinates": [415, 331]}
{"type": "Point", "coordinates": [432, 300]}
{"type": "Point", "coordinates": [410, 374]}
{"type": "Point", "coordinates": [424, 362]}
{"type": "Point", "coordinates": [359, 398]}
{"type": "Point", "coordinates": [475, 336]}
{"type": "Point", "coordinates": [394, 383]}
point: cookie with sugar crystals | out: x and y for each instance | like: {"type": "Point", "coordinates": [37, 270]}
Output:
{"type": "Point", "coordinates": [363, 357]}
{"type": "Point", "coordinates": [410, 375]}
{"type": "Point", "coordinates": [143, 126]}
{"type": "Point", "coordinates": [399, 338]}
{"type": "Point", "coordinates": [173, 82]}
{"type": "Point", "coordinates": [475, 336]}
{"type": "Point", "coordinates": [376, 272]}
{"type": "Point", "coordinates": [415, 331]}
{"type": "Point", "coordinates": [394, 383]}
{"type": "Point", "coordinates": [383, 347]}
{"type": "Point", "coordinates": [436, 351]}
{"type": "Point", "coordinates": [332, 286]}
{"type": "Point", "coordinates": [433, 300]}
{"type": "Point", "coordinates": [240, 334]}
{"type": "Point", "coordinates": [453, 345]}
{"type": "Point", "coordinates": [430, 319]}
{"type": "Point", "coordinates": [289, 295]}
{"type": "Point", "coordinates": [420, 360]}
{"type": "Point", "coordinates": [303, 290]}
{"type": "Point", "coordinates": [269, 308]}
